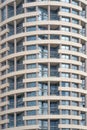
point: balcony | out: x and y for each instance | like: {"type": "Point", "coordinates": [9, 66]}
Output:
{"type": "Point", "coordinates": [19, 102]}
{"type": "Point", "coordinates": [83, 14]}
{"type": "Point", "coordinates": [54, 73]}
{"type": "Point", "coordinates": [11, 51]}
{"type": "Point", "coordinates": [54, 110]}
{"type": "Point", "coordinates": [11, 69]}
{"type": "Point", "coordinates": [11, 124]}
{"type": "Point", "coordinates": [11, 32]}
{"type": "Point", "coordinates": [83, 32]}
{"type": "Point", "coordinates": [10, 13]}
{"type": "Point", "coordinates": [82, 68]}
{"type": "Point", "coordinates": [43, 92]}
{"type": "Point", "coordinates": [19, 122]}
{"type": "Point", "coordinates": [11, 87]}
{"type": "Point", "coordinates": [19, 29]}
{"type": "Point", "coordinates": [43, 73]}
{"type": "Point", "coordinates": [20, 48]}
{"type": "Point", "coordinates": [19, 10]}
{"type": "Point", "coordinates": [54, 17]}
{"type": "Point", "coordinates": [43, 54]}
{"type": "Point", "coordinates": [20, 85]}
{"type": "Point", "coordinates": [11, 105]}
{"type": "Point", "coordinates": [54, 54]}
{"type": "Point", "coordinates": [43, 111]}
{"type": "Point", "coordinates": [20, 67]}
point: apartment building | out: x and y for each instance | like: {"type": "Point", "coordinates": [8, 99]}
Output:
{"type": "Point", "coordinates": [43, 64]}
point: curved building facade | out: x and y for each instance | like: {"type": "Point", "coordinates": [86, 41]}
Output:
{"type": "Point", "coordinates": [43, 65]}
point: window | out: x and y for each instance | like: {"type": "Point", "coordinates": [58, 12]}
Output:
{"type": "Point", "coordinates": [31, 66]}
{"type": "Point", "coordinates": [30, 57]}
{"type": "Point", "coordinates": [31, 19]}
{"type": "Point", "coordinates": [31, 94]}
{"type": "Point", "coordinates": [74, 94]}
{"type": "Point", "coordinates": [67, 1]}
{"type": "Point", "coordinates": [31, 84]}
{"type": "Point", "coordinates": [74, 112]}
{"type": "Point", "coordinates": [75, 39]}
{"type": "Point", "coordinates": [75, 122]}
{"type": "Point", "coordinates": [74, 30]}
{"type": "Point", "coordinates": [31, 75]}
{"type": "Point", "coordinates": [31, 38]}
{"type": "Point", "coordinates": [67, 29]}
{"type": "Point", "coordinates": [74, 103]}
{"type": "Point", "coordinates": [43, 124]}
{"type": "Point", "coordinates": [31, 103]}
{"type": "Point", "coordinates": [75, 21]}
{"type": "Point", "coordinates": [31, 112]}
{"type": "Point", "coordinates": [75, 67]}
{"type": "Point", "coordinates": [75, 12]}
{"type": "Point", "coordinates": [75, 58]}
{"type": "Point", "coordinates": [65, 9]}
{"type": "Point", "coordinates": [75, 85]}
{"type": "Point", "coordinates": [65, 93]}
{"type": "Point", "coordinates": [29, 29]}
{"type": "Point", "coordinates": [31, 9]}
{"type": "Point", "coordinates": [63, 47]}
{"type": "Point", "coordinates": [74, 2]}
{"type": "Point", "coordinates": [65, 112]}
{"type": "Point", "coordinates": [65, 56]}
{"type": "Point", "coordinates": [65, 121]}
{"type": "Point", "coordinates": [65, 102]}
{"type": "Point", "coordinates": [75, 76]}
{"type": "Point", "coordinates": [65, 84]}
{"type": "Point", "coordinates": [32, 47]}
{"type": "Point", "coordinates": [65, 19]}
{"type": "Point", "coordinates": [3, 12]}
{"type": "Point", "coordinates": [54, 124]}
{"type": "Point", "coordinates": [65, 66]}
{"type": "Point", "coordinates": [75, 49]}
{"type": "Point", "coordinates": [65, 38]}
{"type": "Point", "coordinates": [31, 122]}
